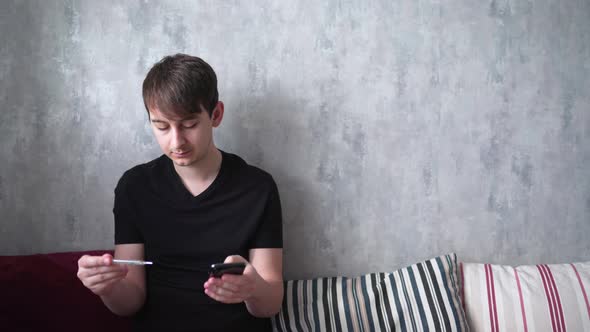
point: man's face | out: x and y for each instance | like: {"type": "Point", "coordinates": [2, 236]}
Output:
{"type": "Point", "coordinates": [186, 140]}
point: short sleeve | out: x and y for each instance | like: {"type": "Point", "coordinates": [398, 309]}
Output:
{"type": "Point", "coordinates": [126, 230]}
{"type": "Point", "coordinates": [270, 230]}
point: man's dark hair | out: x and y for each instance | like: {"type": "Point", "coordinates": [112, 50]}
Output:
{"type": "Point", "coordinates": [179, 85]}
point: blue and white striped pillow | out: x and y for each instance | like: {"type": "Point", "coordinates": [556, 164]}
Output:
{"type": "Point", "coordinates": [421, 297]}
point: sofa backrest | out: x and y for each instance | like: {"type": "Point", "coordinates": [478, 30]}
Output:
{"type": "Point", "coordinates": [43, 293]}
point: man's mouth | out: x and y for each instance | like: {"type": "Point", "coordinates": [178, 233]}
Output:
{"type": "Point", "coordinates": [180, 153]}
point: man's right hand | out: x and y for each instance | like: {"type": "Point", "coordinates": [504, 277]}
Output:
{"type": "Point", "coordinates": [99, 274]}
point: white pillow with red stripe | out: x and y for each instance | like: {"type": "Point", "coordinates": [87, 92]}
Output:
{"type": "Point", "coordinates": [527, 298]}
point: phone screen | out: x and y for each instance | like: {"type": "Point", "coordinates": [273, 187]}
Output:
{"type": "Point", "coordinates": [219, 269]}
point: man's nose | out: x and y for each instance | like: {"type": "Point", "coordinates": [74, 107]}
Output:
{"type": "Point", "coordinates": [178, 139]}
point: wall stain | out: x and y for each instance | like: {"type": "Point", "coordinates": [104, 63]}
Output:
{"type": "Point", "coordinates": [401, 73]}
{"type": "Point", "coordinates": [523, 169]}
{"type": "Point", "coordinates": [72, 226]}
{"type": "Point", "coordinates": [497, 206]}
{"type": "Point", "coordinates": [490, 155]}
{"type": "Point", "coordinates": [175, 29]}
{"type": "Point", "coordinates": [257, 78]}
{"type": "Point", "coordinates": [144, 138]}
{"type": "Point", "coordinates": [566, 115]}
{"type": "Point", "coordinates": [427, 178]}
{"type": "Point", "coordinates": [72, 19]}
{"type": "Point", "coordinates": [356, 139]}
{"type": "Point", "coordinates": [318, 124]}
{"type": "Point", "coordinates": [140, 15]}
{"type": "Point", "coordinates": [502, 10]}
{"type": "Point", "coordinates": [326, 173]}
{"type": "Point", "coordinates": [325, 43]}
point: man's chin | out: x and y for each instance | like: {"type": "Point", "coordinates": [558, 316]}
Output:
{"type": "Point", "coordinates": [182, 162]}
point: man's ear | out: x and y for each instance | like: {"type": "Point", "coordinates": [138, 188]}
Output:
{"type": "Point", "coordinates": [217, 114]}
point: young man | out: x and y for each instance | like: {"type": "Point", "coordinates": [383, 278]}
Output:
{"type": "Point", "coordinates": [192, 207]}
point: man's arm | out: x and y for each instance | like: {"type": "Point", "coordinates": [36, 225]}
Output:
{"type": "Point", "coordinates": [121, 287]}
{"type": "Point", "coordinates": [268, 295]}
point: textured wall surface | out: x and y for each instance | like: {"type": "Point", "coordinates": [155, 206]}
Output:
{"type": "Point", "coordinates": [396, 130]}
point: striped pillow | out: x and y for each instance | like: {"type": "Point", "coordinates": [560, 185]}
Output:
{"type": "Point", "coordinates": [527, 298]}
{"type": "Point", "coordinates": [421, 297]}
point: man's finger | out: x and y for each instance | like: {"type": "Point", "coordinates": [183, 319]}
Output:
{"type": "Point", "coordinates": [94, 261]}
{"type": "Point", "coordinates": [222, 298]}
{"type": "Point", "coordinates": [229, 287]}
{"type": "Point", "coordinates": [235, 259]}
{"type": "Point", "coordinates": [85, 273]}
{"type": "Point", "coordinates": [238, 280]}
{"type": "Point", "coordinates": [104, 278]}
{"type": "Point", "coordinates": [106, 269]}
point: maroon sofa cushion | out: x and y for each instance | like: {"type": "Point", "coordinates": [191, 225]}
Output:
{"type": "Point", "coordinates": [42, 293]}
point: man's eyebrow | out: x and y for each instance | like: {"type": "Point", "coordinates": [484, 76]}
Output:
{"type": "Point", "coordinates": [188, 118]}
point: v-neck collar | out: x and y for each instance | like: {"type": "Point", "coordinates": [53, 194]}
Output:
{"type": "Point", "coordinates": [181, 191]}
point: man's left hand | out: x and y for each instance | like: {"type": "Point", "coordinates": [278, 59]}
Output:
{"type": "Point", "coordinates": [233, 288]}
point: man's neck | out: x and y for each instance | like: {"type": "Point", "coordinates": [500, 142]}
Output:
{"type": "Point", "coordinates": [198, 176]}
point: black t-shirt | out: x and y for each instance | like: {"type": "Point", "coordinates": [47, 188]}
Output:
{"type": "Point", "coordinates": [184, 234]}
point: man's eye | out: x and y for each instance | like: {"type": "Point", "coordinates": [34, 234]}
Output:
{"type": "Point", "coordinates": [161, 127]}
{"type": "Point", "coordinates": [190, 125]}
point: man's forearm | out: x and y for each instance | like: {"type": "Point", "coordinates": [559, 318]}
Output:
{"type": "Point", "coordinates": [267, 300]}
{"type": "Point", "coordinates": [125, 298]}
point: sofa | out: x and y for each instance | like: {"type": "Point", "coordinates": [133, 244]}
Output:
{"type": "Point", "coordinates": [442, 294]}
{"type": "Point", "coordinates": [42, 293]}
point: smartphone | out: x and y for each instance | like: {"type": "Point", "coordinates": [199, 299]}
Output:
{"type": "Point", "coordinates": [219, 269]}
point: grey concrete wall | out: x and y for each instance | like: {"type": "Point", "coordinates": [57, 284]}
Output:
{"type": "Point", "coordinates": [396, 130]}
